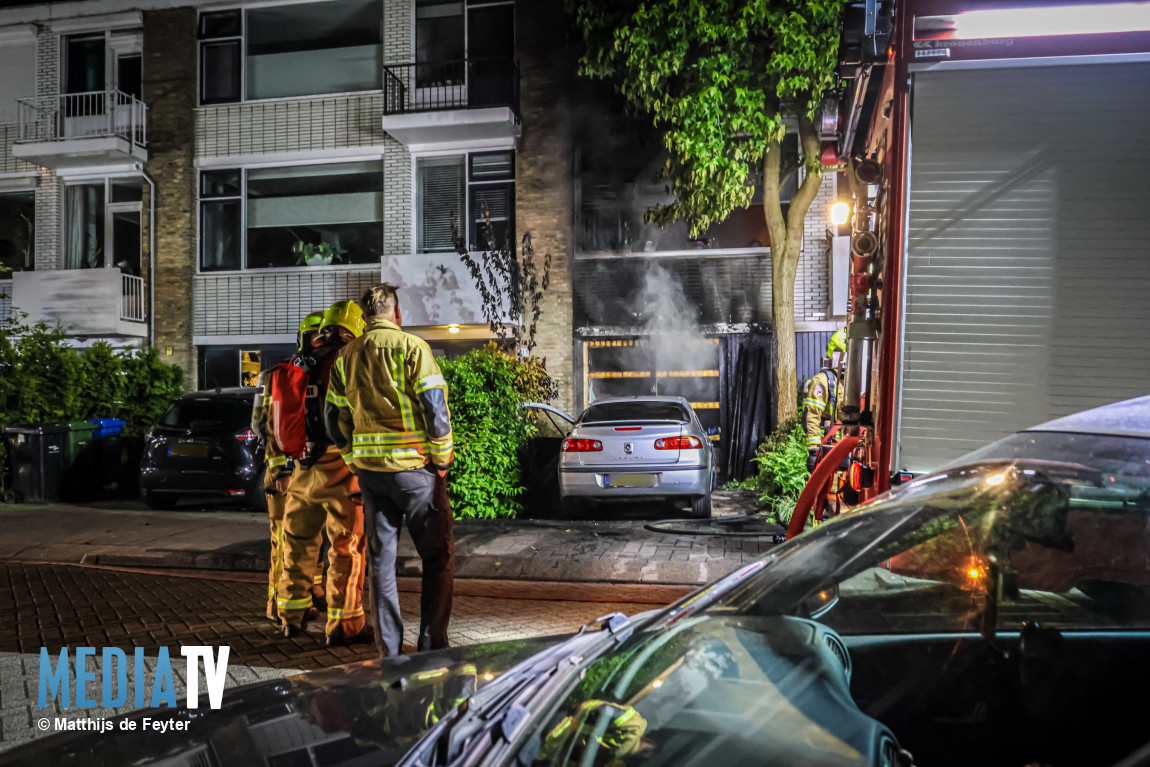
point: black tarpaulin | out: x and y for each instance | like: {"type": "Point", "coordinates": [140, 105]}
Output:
{"type": "Point", "coordinates": [745, 409]}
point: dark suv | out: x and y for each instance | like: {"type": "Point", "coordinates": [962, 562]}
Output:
{"type": "Point", "coordinates": [204, 446]}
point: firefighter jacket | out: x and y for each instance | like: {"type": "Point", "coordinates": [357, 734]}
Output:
{"type": "Point", "coordinates": [820, 406]}
{"type": "Point", "coordinates": [277, 461]}
{"type": "Point", "coordinates": [573, 734]}
{"type": "Point", "coordinates": [387, 402]}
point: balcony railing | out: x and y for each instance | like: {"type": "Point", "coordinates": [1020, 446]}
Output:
{"type": "Point", "coordinates": [83, 115]}
{"type": "Point", "coordinates": [460, 84]}
{"type": "Point", "coordinates": [131, 298]}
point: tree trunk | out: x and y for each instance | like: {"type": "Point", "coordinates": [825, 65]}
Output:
{"type": "Point", "coordinates": [786, 248]}
{"type": "Point", "coordinates": [784, 267]}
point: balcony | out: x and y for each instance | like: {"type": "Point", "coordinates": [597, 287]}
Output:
{"type": "Point", "coordinates": [82, 130]}
{"type": "Point", "coordinates": [431, 104]}
{"type": "Point", "coordinates": [92, 303]}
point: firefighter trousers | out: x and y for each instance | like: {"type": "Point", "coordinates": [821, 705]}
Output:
{"type": "Point", "coordinates": [388, 497]}
{"type": "Point", "coordinates": [319, 497]}
{"type": "Point", "coordinates": [276, 503]}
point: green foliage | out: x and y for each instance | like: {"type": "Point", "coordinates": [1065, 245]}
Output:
{"type": "Point", "coordinates": [44, 380]}
{"type": "Point", "coordinates": [485, 388]}
{"type": "Point", "coordinates": [782, 461]}
{"type": "Point", "coordinates": [719, 78]}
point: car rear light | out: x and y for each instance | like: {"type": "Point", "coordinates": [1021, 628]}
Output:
{"type": "Point", "coordinates": [237, 493]}
{"type": "Point", "coordinates": [247, 436]}
{"type": "Point", "coordinates": [628, 428]}
{"type": "Point", "coordinates": [678, 443]}
{"type": "Point", "coordinates": [573, 445]}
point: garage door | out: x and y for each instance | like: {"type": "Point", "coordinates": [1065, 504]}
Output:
{"type": "Point", "coordinates": [1028, 252]}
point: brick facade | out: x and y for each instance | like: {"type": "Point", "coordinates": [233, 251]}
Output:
{"type": "Point", "coordinates": [544, 188]}
{"type": "Point", "coordinates": [170, 93]}
{"type": "Point", "coordinates": [49, 190]}
{"type": "Point", "coordinates": [398, 200]}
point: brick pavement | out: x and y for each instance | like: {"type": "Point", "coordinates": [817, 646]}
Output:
{"type": "Point", "coordinates": [56, 605]}
{"type": "Point", "coordinates": [609, 549]}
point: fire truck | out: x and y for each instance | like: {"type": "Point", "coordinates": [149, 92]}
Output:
{"type": "Point", "coordinates": [998, 158]}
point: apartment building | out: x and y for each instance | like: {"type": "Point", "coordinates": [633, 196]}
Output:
{"type": "Point", "coordinates": [198, 177]}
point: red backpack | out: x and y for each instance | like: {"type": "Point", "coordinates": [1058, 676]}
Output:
{"type": "Point", "coordinates": [297, 389]}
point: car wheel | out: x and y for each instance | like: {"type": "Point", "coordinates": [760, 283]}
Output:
{"type": "Point", "coordinates": [161, 502]}
{"type": "Point", "coordinates": [13, 496]}
{"type": "Point", "coordinates": [701, 506]}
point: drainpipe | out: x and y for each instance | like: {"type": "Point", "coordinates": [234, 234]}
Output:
{"type": "Point", "coordinates": [151, 254]}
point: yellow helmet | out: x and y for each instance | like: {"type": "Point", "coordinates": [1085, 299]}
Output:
{"type": "Point", "coordinates": [838, 342]}
{"type": "Point", "coordinates": [309, 324]}
{"type": "Point", "coordinates": [346, 314]}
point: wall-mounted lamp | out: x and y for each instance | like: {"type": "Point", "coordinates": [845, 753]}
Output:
{"type": "Point", "coordinates": [453, 329]}
{"type": "Point", "coordinates": [840, 213]}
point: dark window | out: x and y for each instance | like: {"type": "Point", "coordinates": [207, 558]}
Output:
{"type": "Point", "coordinates": [221, 365]}
{"type": "Point", "coordinates": [439, 46]}
{"type": "Point", "coordinates": [491, 203]}
{"type": "Point", "coordinates": [223, 24]}
{"type": "Point", "coordinates": [635, 411]}
{"type": "Point", "coordinates": [440, 197]}
{"type": "Point", "coordinates": [220, 66]}
{"type": "Point", "coordinates": [18, 231]}
{"type": "Point", "coordinates": [221, 221]}
{"type": "Point", "coordinates": [84, 64]}
{"type": "Point", "coordinates": [129, 75]}
{"type": "Point", "coordinates": [216, 411]}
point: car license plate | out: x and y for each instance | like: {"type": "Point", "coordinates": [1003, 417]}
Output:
{"type": "Point", "coordinates": [189, 451]}
{"type": "Point", "coordinates": [629, 480]}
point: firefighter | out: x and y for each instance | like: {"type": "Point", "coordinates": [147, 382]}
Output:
{"type": "Point", "coordinates": [622, 733]}
{"type": "Point", "coordinates": [322, 494]}
{"type": "Point", "coordinates": [279, 465]}
{"type": "Point", "coordinates": [387, 410]}
{"type": "Point", "coordinates": [820, 407]}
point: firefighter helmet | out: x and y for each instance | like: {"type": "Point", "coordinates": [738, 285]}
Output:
{"type": "Point", "coordinates": [838, 342]}
{"type": "Point", "coordinates": [309, 324]}
{"type": "Point", "coordinates": [346, 314]}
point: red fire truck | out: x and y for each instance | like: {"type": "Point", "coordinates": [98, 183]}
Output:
{"type": "Point", "coordinates": [1000, 242]}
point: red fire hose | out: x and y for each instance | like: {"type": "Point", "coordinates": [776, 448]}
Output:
{"type": "Point", "coordinates": [820, 479]}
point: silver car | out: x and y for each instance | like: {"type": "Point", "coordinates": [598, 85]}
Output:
{"type": "Point", "coordinates": [638, 448]}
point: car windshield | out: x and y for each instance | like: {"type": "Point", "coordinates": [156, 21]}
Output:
{"type": "Point", "coordinates": [635, 411]}
{"type": "Point", "coordinates": [220, 412]}
{"type": "Point", "coordinates": [972, 554]}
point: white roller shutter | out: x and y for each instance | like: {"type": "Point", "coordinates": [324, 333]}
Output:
{"type": "Point", "coordinates": [1027, 280]}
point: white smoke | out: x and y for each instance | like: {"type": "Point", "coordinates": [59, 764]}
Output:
{"type": "Point", "coordinates": [670, 321]}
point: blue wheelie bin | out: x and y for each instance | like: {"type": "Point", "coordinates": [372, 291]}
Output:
{"type": "Point", "coordinates": [106, 439]}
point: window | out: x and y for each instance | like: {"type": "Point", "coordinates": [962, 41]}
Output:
{"type": "Point", "coordinates": [297, 50]}
{"type": "Point", "coordinates": [102, 224]}
{"type": "Point", "coordinates": [445, 36]}
{"type": "Point", "coordinates": [17, 231]}
{"type": "Point", "coordinates": [312, 215]}
{"type": "Point", "coordinates": [482, 184]}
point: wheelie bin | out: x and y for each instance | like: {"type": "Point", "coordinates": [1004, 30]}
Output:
{"type": "Point", "coordinates": [36, 460]}
{"type": "Point", "coordinates": [107, 443]}
{"type": "Point", "coordinates": [80, 481]}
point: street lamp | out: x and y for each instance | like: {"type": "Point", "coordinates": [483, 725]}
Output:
{"type": "Point", "coordinates": [840, 213]}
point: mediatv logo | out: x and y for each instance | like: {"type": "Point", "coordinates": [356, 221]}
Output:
{"type": "Point", "coordinates": [152, 688]}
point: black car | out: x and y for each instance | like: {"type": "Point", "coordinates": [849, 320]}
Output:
{"type": "Point", "coordinates": [996, 612]}
{"type": "Point", "coordinates": [204, 446]}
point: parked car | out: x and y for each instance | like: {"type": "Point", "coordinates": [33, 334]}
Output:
{"type": "Point", "coordinates": [204, 446]}
{"type": "Point", "coordinates": [992, 613]}
{"type": "Point", "coordinates": [636, 448]}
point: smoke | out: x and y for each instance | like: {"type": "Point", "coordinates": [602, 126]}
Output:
{"type": "Point", "coordinates": [670, 322]}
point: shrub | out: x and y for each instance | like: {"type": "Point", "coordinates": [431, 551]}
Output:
{"type": "Point", "coordinates": [43, 379]}
{"type": "Point", "coordinates": [485, 388]}
{"type": "Point", "coordinates": [782, 461]}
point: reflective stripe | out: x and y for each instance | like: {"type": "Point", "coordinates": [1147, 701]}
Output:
{"type": "Point", "coordinates": [384, 451]}
{"type": "Point", "coordinates": [814, 441]}
{"type": "Point", "coordinates": [277, 460]}
{"type": "Point", "coordinates": [348, 458]}
{"type": "Point", "coordinates": [339, 371]}
{"type": "Point", "coordinates": [433, 674]}
{"type": "Point", "coordinates": [816, 403]}
{"type": "Point", "coordinates": [336, 613]}
{"type": "Point", "coordinates": [625, 717]}
{"type": "Point", "coordinates": [295, 604]}
{"type": "Point", "coordinates": [388, 437]}
{"type": "Point", "coordinates": [400, 375]}
{"type": "Point", "coordinates": [429, 382]}
{"type": "Point", "coordinates": [336, 399]}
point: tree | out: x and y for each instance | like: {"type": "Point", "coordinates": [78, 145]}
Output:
{"type": "Point", "coordinates": [721, 79]}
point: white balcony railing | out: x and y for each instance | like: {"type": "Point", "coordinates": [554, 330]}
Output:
{"type": "Point", "coordinates": [83, 115]}
{"type": "Point", "coordinates": [131, 298]}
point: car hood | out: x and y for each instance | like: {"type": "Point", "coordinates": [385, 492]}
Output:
{"type": "Point", "coordinates": [369, 712]}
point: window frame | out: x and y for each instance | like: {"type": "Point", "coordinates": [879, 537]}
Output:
{"type": "Point", "coordinates": [242, 38]}
{"type": "Point", "coordinates": [110, 209]}
{"type": "Point", "coordinates": [467, 155]}
{"type": "Point", "coordinates": [242, 199]}
{"type": "Point", "coordinates": [10, 192]}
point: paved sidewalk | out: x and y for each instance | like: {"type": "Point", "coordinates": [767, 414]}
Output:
{"type": "Point", "coordinates": [54, 606]}
{"type": "Point", "coordinates": [610, 551]}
